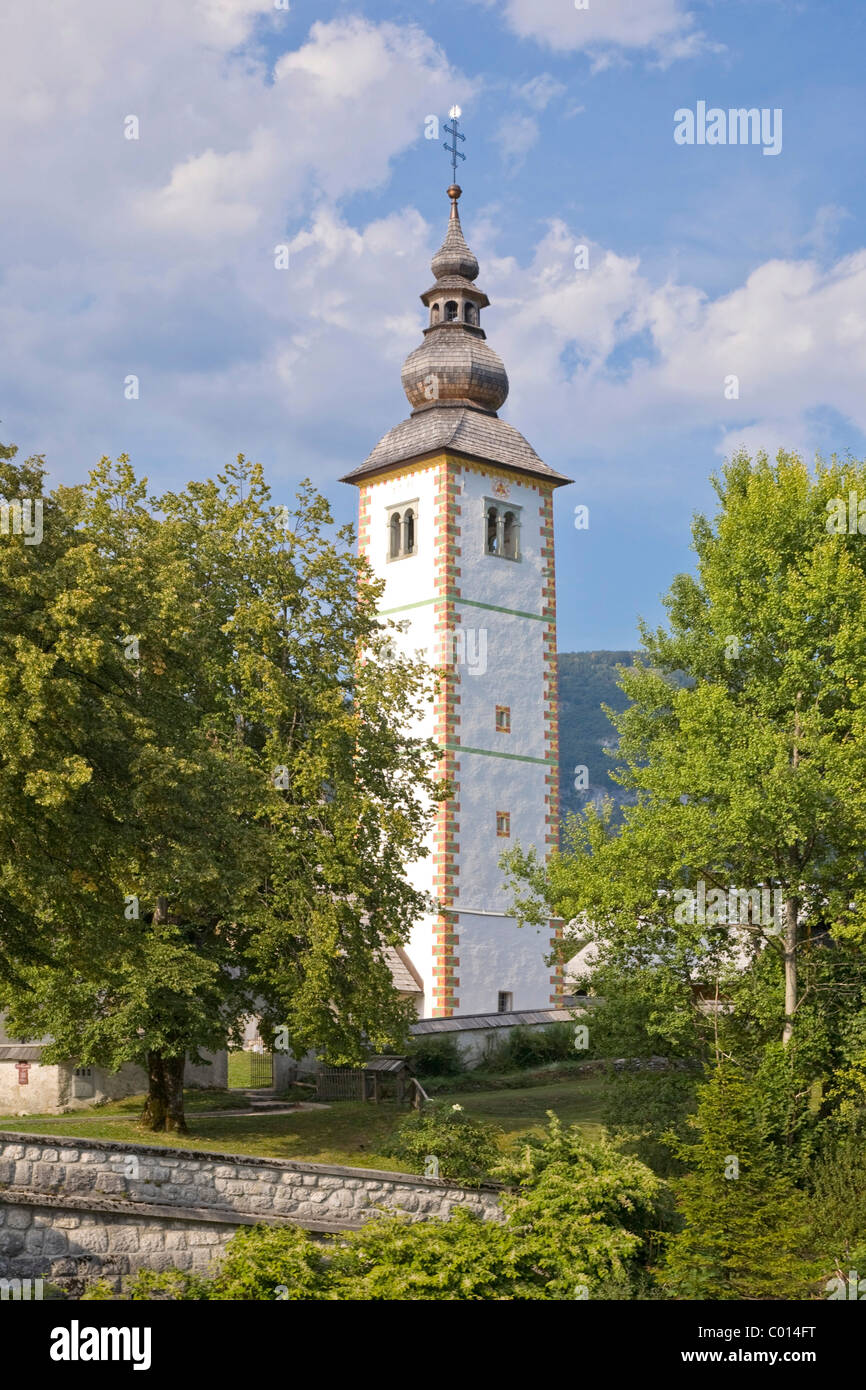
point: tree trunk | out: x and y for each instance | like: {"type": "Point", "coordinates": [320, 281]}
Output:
{"type": "Point", "coordinates": [790, 960]}
{"type": "Point", "coordinates": [792, 914]}
{"type": "Point", "coordinates": [163, 1108]}
{"type": "Point", "coordinates": [153, 1115]}
{"type": "Point", "coordinates": [174, 1069]}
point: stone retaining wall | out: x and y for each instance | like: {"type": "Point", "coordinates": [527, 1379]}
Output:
{"type": "Point", "coordinates": [77, 1208]}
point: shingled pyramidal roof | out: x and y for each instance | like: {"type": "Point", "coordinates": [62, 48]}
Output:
{"type": "Point", "coordinates": [454, 381]}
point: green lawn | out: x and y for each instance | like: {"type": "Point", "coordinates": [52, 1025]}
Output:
{"type": "Point", "coordinates": [346, 1132]}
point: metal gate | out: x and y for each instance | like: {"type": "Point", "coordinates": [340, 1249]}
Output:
{"type": "Point", "coordinates": [261, 1068]}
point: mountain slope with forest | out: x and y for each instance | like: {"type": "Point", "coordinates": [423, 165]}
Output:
{"type": "Point", "coordinates": [588, 680]}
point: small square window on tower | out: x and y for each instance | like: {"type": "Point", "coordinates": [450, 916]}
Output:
{"type": "Point", "coordinates": [505, 1003]}
{"type": "Point", "coordinates": [503, 719]}
{"type": "Point", "coordinates": [503, 824]}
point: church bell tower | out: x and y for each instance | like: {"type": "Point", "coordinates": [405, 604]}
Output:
{"type": "Point", "coordinates": [456, 515]}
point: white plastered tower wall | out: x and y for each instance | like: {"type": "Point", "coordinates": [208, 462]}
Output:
{"type": "Point", "coordinates": [504, 660]}
{"type": "Point", "coordinates": [410, 583]}
{"type": "Point", "coordinates": [475, 589]}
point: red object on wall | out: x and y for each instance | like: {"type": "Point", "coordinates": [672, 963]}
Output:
{"type": "Point", "coordinates": [23, 1073]}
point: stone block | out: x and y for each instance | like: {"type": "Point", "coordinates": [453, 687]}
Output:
{"type": "Point", "coordinates": [161, 1260]}
{"type": "Point", "coordinates": [23, 1169]}
{"type": "Point", "coordinates": [34, 1240]}
{"type": "Point", "coordinates": [94, 1238]}
{"type": "Point", "coordinates": [159, 1173]}
{"type": "Point", "coordinates": [151, 1239]}
{"type": "Point", "coordinates": [123, 1239]}
{"type": "Point", "coordinates": [110, 1183]}
{"type": "Point", "coordinates": [199, 1236]}
{"type": "Point", "coordinates": [69, 1155]}
{"type": "Point", "coordinates": [13, 1151]}
{"type": "Point", "coordinates": [47, 1176]}
{"type": "Point", "coordinates": [230, 1187]}
{"type": "Point", "coordinates": [54, 1243]}
{"type": "Point", "coordinates": [19, 1219]}
{"type": "Point", "coordinates": [67, 1223]}
{"type": "Point", "coordinates": [79, 1180]}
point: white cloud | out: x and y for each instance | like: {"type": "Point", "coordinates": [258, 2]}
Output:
{"type": "Point", "coordinates": [156, 256]}
{"type": "Point", "coordinates": [516, 136]}
{"type": "Point", "coordinates": [664, 26]}
{"type": "Point", "coordinates": [540, 91]}
{"type": "Point", "coordinates": [603, 359]}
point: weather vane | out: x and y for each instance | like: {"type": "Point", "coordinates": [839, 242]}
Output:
{"type": "Point", "coordinates": [455, 114]}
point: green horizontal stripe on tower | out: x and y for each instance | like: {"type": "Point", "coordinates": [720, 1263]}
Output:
{"type": "Point", "coordinates": [489, 753]}
{"type": "Point", "coordinates": [471, 602]}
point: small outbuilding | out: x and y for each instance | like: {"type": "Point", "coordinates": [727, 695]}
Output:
{"type": "Point", "coordinates": [381, 1078]}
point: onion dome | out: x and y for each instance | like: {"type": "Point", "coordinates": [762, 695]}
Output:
{"type": "Point", "coordinates": [454, 365]}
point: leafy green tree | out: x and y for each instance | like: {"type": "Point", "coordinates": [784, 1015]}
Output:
{"type": "Point", "coordinates": [746, 1232]}
{"type": "Point", "coordinates": [745, 746]}
{"type": "Point", "coordinates": [203, 735]}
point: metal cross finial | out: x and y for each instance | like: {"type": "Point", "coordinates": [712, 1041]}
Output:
{"type": "Point", "coordinates": [455, 114]}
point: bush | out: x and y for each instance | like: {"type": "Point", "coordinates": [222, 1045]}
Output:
{"type": "Point", "coordinates": [533, 1047]}
{"type": "Point", "coordinates": [437, 1055]}
{"type": "Point", "coordinates": [584, 1213]}
{"type": "Point", "coordinates": [150, 1286]}
{"type": "Point", "coordinates": [271, 1262]}
{"type": "Point", "coordinates": [838, 1200]}
{"type": "Point", "coordinates": [523, 1048]}
{"type": "Point", "coordinates": [465, 1149]}
{"type": "Point", "coordinates": [464, 1259]}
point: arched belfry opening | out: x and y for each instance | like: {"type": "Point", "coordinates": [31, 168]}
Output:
{"type": "Point", "coordinates": [502, 531]}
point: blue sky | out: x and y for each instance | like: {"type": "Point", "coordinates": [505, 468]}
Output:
{"type": "Point", "coordinates": [305, 127]}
